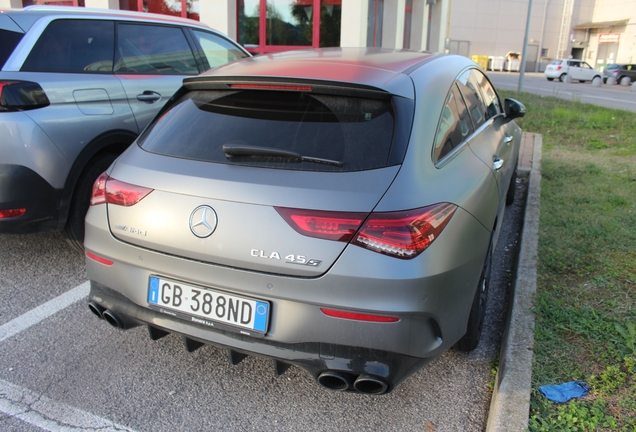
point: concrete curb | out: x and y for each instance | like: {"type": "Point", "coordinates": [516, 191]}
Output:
{"type": "Point", "coordinates": [510, 403]}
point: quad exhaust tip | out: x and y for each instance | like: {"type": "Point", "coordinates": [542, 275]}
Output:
{"type": "Point", "coordinates": [113, 319]}
{"type": "Point", "coordinates": [342, 381]}
{"type": "Point", "coordinates": [96, 309]}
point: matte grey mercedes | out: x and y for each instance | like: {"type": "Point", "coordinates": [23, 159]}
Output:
{"type": "Point", "coordinates": [333, 209]}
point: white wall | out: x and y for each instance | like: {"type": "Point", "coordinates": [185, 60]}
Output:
{"type": "Point", "coordinates": [102, 4]}
{"type": "Point", "coordinates": [353, 26]}
{"type": "Point", "coordinates": [9, 4]}
{"type": "Point", "coordinates": [220, 15]}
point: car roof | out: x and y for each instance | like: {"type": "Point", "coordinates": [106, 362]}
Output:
{"type": "Point", "coordinates": [25, 18]}
{"type": "Point", "coordinates": [381, 68]}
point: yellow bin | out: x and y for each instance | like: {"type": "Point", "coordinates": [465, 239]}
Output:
{"type": "Point", "coordinates": [481, 61]}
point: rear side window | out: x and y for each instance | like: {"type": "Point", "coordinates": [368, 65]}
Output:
{"type": "Point", "coordinates": [73, 46]}
{"type": "Point", "coordinates": [454, 125]}
{"type": "Point", "coordinates": [473, 97]}
{"type": "Point", "coordinates": [151, 49]}
{"type": "Point", "coordinates": [216, 51]}
{"type": "Point", "coordinates": [10, 40]}
{"type": "Point", "coordinates": [331, 133]}
{"type": "Point", "coordinates": [490, 96]}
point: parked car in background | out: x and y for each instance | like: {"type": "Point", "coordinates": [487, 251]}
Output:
{"type": "Point", "coordinates": [577, 69]}
{"type": "Point", "coordinates": [335, 209]}
{"type": "Point", "coordinates": [76, 87]}
{"type": "Point", "coordinates": [622, 73]}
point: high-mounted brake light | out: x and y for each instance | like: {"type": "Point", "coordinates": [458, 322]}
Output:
{"type": "Point", "coordinates": [358, 316]}
{"type": "Point", "coordinates": [271, 87]}
{"type": "Point", "coordinates": [404, 234]}
{"type": "Point", "coordinates": [12, 213]}
{"type": "Point", "coordinates": [338, 226]}
{"type": "Point", "coordinates": [21, 95]}
{"type": "Point", "coordinates": [107, 190]}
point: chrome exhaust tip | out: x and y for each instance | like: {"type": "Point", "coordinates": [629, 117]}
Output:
{"type": "Point", "coordinates": [113, 319]}
{"type": "Point", "coordinates": [337, 381]}
{"type": "Point", "coordinates": [370, 385]}
{"type": "Point", "coordinates": [96, 309]}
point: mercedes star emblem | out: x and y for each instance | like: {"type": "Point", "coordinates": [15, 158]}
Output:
{"type": "Point", "coordinates": [203, 221]}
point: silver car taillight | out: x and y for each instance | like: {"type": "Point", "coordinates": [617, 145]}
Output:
{"type": "Point", "coordinates": [107, 190]}
{"type": "Point", "coordinates": [403, 234]}
{"type": "Point", "coordinates": [21, 96]}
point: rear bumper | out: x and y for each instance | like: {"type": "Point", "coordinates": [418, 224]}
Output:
{"type": "Point", "coordinates": [431, 295]}
{"type": "Point", "coordinates": [21, 187]}
{"type": "Point", "coordinates": [348, 362]}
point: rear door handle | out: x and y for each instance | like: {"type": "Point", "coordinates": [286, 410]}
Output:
{"type": "Point", "coordinates": [149, 97]}
{"type": "Point", "coordinates": [508, 139]}
{"type": "Point", "coordinates": [497, 163]}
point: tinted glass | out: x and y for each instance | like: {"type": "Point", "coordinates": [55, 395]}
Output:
{"type": "Point", "coordinates": [454, 125]}
{"type": "Point", "coordinates": [215, 50]}
{"type": "Point", "coordinates": [472, 95]}
{"type": "Point", "coordinates": [149, 49]}
{"type": "Point", "coordinates": [289, 22]}
{"type": "Point", "coordinates": [9, 41]}
{"type": "Point", "coordinates": [73, 46]}
{"type": "Point", "coordinates": [489, 95]}
{"type": "Point", "coordinates": [354, 131]}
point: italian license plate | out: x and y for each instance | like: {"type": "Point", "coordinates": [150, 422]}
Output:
{"type": "Point", "coordinates": [207, 306]}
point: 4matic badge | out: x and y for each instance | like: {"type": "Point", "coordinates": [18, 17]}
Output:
{"type": "Point", "coordinates": [289, 259]}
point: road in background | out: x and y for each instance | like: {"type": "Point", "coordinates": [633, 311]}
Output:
{"type": "Point", "coordinates": [610, 96]}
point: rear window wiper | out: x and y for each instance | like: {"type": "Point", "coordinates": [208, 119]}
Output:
{"type": "Point", "coordinates": [247, 150]}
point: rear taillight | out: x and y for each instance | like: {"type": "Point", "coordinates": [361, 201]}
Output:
{"type": "Point", "coordinates": [403, 234]}
{"type": "Point", "coordinates": [12, 213]}
{"type": "Point", "coordinates": [558, 68]}
{"type": "Point", "coordinates": [107, 190]}
{"type": "Point", "coordinates": [21, 95]}
{"type": "Point", "coordinates": [338, 226]}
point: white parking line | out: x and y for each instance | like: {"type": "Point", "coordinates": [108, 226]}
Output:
{"type": "Point", "coordinates": [43, 311]}
{"type": "Point", "coordinates": [37, 409]}
{"type": "Point", "coordinates": [44, 413]}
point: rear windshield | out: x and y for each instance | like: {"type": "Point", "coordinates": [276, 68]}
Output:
{"type": "Point", "coordinates": [9, 41]}
{"type": "Point", "coordinates": [276, 129]}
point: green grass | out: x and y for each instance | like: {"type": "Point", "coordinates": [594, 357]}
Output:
{"type": "Point", "coordinates": [586, 284]}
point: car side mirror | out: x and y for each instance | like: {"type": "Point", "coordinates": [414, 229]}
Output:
{"type": "Point", "coordinates": [514, 109]}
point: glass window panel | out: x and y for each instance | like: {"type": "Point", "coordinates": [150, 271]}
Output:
{"type": "Point", "coordinates": [330, 15]}
{"type": "Point", "coordinates": [150, 49]}
{"type": "Point", "coordinates": [216, 50]}
{"type": "Point", "coordinates": [131, 5]}
{"type": "Point", "coordinates": [289, 22]}
{"type": "Point", "coordinates": [192, 9]}
{"type": "Point", "coordinates": [472, 95]}
{"type": "Point", "coordinates": [490, 96]}
{"type": "Point", "coordinates": [355, 131]}
{"type": "Point", "coordinates": [73, 46]}
{"type": "Point", "coordinates": [248, 22]}
{"type": "Point", "coordinates": [164, 7]}
{"type": "Point", "coordinates": [453, 126]}
{"type": "Point", "coordinates": [374, 23]}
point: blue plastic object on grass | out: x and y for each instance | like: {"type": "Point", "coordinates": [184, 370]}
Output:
{"type": "Point", "coordinates": [564, 392]}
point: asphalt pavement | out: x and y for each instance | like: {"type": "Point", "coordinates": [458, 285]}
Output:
{"type": "Point", "coordinates": [609, 96]}
{"type": "Point", "coordinates": [63, 369]}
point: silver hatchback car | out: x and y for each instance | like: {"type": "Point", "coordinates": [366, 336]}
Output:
{"type": "Point", "coordinates": [77, 86]}
{"type": "Point", "coordinates": [334, 209]}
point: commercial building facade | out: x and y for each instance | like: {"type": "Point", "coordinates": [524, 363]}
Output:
{"type": "Point", "coordinates": [264, 26]}
{"type": "Point", "coordinates": [597, 31]}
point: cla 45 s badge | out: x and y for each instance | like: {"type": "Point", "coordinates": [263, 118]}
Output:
{"type": "Point", "coordinates": [289, 259]}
